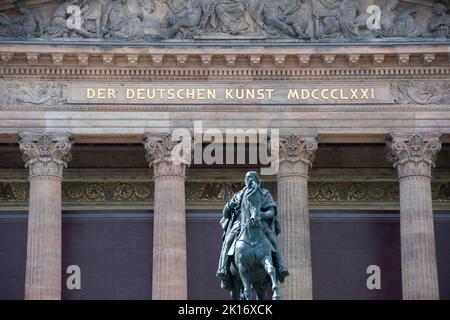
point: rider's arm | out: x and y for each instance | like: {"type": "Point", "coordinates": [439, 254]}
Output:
{"type": "Point", "coordinates": [229, 208]}
{"type": "Point", "coordinates": [268, 214]}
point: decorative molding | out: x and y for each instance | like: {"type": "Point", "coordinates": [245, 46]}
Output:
{"type": "Point", "coordinates": [296, 154]}
{"type": "Point", "coordinates": [108, 191]}
{"type": "Point", "coordinates": [230, 72]}
{"type": "Point", "coordinates": [46, 154]}
{"type": "Point", "coordinates": [421, 92]}
{"type": "Point", "coordinates": [31, 93]}
{"type": "Point", "coordinates": [58, 59]}
{"type": "Point", "coordinates": [167, 154]}
{"type": "Point", "coordinates": [296, 21]}
{"type": "Point", "coordinates": [413, 154]}
{"type": "Point", "coordinates": [132, 60]}
{"type": "Point", "coordinates": [129, 192]}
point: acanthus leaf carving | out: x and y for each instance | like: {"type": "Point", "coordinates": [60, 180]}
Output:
{"type": "Point", "coordinates": [46, 154]}
{"type": "Point", "coordinates": [167, 154]}
{"type": "Point", "coordinates": [296, 154]}
{"type": "Point", "coordinates": [413, 154]}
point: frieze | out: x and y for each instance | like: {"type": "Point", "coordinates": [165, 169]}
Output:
{"type": "Point", "coordinates": [52, 93]}
{"type": "Point", "coordinates": [140, 192]}
{"type": "Point", "coordinates": [31, 93]}
{"type": "Point", "coordinates": [159, 20]}
{"type": "Point", "coordinates": [421, 92]}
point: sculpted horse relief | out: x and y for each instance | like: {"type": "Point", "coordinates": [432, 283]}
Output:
{"type": "Point", "coordinates": [251, 259]}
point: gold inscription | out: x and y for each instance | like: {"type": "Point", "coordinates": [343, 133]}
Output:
{"type": "Point", "coordinates": [230, 94]}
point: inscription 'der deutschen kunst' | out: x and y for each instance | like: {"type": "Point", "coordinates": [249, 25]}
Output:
{"type": "Point", "coordinates": [214, 93]}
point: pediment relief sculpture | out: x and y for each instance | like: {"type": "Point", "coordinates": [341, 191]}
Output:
{"type": "Point", "coordinates": [300, 20]}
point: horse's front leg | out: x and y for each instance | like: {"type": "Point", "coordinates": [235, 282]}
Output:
{"type": "Point", "coordinates": [271, 271]}
{"type": "Point", "coordinates": [245, 281]}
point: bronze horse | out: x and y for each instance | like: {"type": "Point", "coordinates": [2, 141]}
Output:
{"type": "Point", "coordinates": [252, 267]}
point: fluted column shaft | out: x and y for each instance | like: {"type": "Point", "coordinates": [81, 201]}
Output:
{"type": "Point", "coordinates": [296, 156]}
{"type": "Point", "coordinates": [46, 155]}
{"type": "Point", "coordinates": [413, 156]}
{"type": "Point", "coordinates": [169, 225]}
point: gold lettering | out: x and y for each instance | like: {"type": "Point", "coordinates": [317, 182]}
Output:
{"type": "Point", "coordinates": [305, 94]}
{"type": "Point", "coordinates": [101, 94]}
{"type": "Point", "coordinates": [323, 94]}
{"type": "Point", "coordinates": [130, 94]}
{"type": "Point", "coordinates": [333, 96]}
{"type": "Point", "coordinates": [200, 94]}
{"type": "Point", "coordinates": [314, 94]}
{"type": "Point", "coordinates": [190, 94]}
{"type": "Point", "coordinates": [151, 96]}
{"type": "Point", "coordinates": [140, 94]}
{"type": "Point", "coordinates": [171, 94]}
{"type": "Point", "coordinates": [90, 93]}
{"type": "Point", "coordinates": [228, 94]}
{"type": "Point", "coordinates": [293, 94]}
{"type": "Point", "coordinates": [112, 94]}
{"type": "Point", "coordinates": [211, 94]}
{"type": "Point", "coordinates": [354, 94]}
{"type": "Point", "coordinates": [250, 94]}
{"type": "Point", "coordinates": [342, 95]}
{"type": "Point", "coordinates": [373, 93]}
{"type": "Point", "coordinates": [179, 96]}
{"type": "Point", "coordinates": [365, 93]}
{"type": "Point", "coordinates": [239, 94]}
{"type": "Point", "coordinates": [270, 91]}
{"type": "Point", "coordinates": [161, 93]}
{"type": "Point", "coordinates": [260, 94]}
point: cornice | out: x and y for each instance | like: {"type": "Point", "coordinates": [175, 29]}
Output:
{"type": "Point", "coordinates": [222, 61]}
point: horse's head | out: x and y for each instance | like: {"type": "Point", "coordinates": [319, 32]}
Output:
{"type": "Point", "coordinates": [255, 218]}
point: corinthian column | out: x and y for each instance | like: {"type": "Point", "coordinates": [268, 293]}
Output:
{"type": "Point", "coordinates": [169, 225]}
{"type": "Point", "coordinates": [413, 155]}
{"type": "Point", "coordinates": [296, 156]}
{"type": "Point", "coordinates": [46, 155]}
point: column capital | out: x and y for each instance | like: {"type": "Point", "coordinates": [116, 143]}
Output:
{"type": "Point", "coordinates": [167, 154]}
{"type": "Point", "coordinates": [46, 154]}
{"type": "Point", "coordinates": [413, 153]}
{"type": "Point", "coordinates": [297, 153]}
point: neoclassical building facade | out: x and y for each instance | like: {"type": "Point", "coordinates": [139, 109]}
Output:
{"type": "Point", "coordinates": [352, 96]}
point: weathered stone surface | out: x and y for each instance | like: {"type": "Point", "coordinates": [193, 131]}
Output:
{"type": "Point", "coordinates": [296, 156]}
{"type": "Point", "coordinates": [169, 235]}
{"type": "Point", "coordinates": [413, 155]}
{"type": "Point", "coordinates": [226, 19]}
{"type": "Point", "coordinates": [45, 155]}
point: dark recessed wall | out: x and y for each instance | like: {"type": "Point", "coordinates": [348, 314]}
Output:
{"type": "Point", "coordinates": [115, 256]}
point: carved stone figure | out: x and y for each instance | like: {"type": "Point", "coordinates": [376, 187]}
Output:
{"type": "Point", "coordinates": [424, 93]}
{"type": "Point", "coordinates": [119, 22]}
{"type": "Point", "coordinates": [250, 242]}
{"type": "Point", "coordinates": [228, 16]}
{"type": "Point", "coordinates": [399, 24]}
{"type": "Point", "coordinates": [37, 93]}
{"type": "Point", "coordinates": [183, 18]}
{"type": "Point", "coordinates": [277, 18]}
{"type": "Point", "coordinates": [261, 19]}
{"type": "Point", "coordinates": [28, 24]}
{"type": "Point", "coordinates": [325, 14]}
{"type": "Point", "coordinates": [439, 22]}
{"type": "Point", "coordinates": [59, 26]}
{"type": "Point", "coordinates": [92, 16]}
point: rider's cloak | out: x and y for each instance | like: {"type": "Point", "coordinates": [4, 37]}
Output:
{"type": "Point", "coordinates": [228, 221]}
